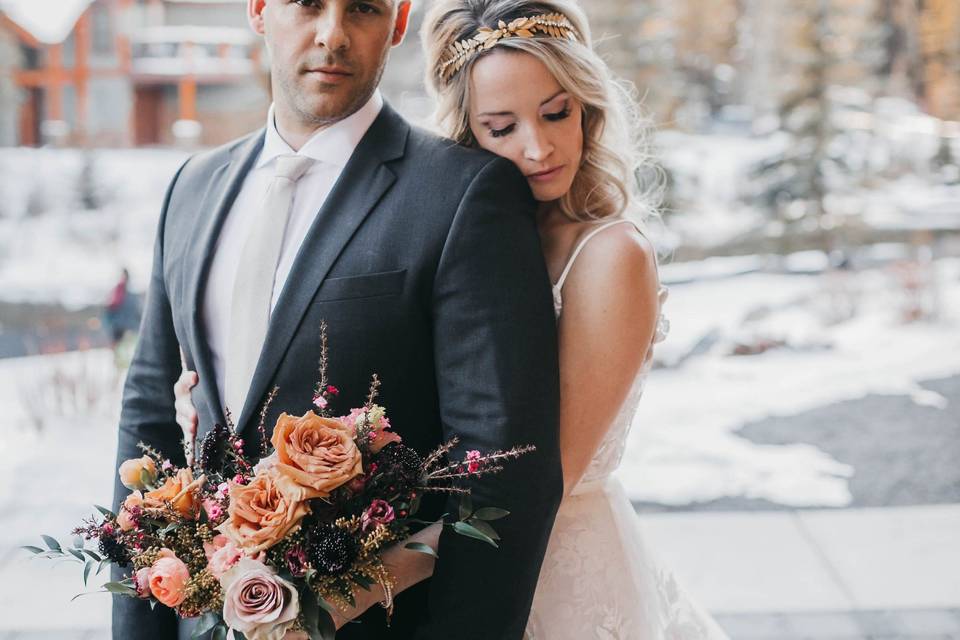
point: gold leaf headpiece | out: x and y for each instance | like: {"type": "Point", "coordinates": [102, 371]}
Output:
{"type": "Point", "coordinates": [555, 25]}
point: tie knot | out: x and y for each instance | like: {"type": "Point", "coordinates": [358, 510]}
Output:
{"type": "Point", "coordinates": [292, 167]}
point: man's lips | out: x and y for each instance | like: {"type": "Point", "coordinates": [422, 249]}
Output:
{"type": "Point", "coordinates": [331, 75]}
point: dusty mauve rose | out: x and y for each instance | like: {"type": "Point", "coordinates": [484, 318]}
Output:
{"type": "Point", "coordinates": [168, 577]}
{"type": "Point", "coordinates": [257, 602]}
{"type": "Point", "coordinates": [221, 554]}
{"type": "Point", "coordinates": [180, 491]}
{"type": "Point", "coordinates": [260, 515]}
{"type": "Point", "coordinates": [379, 512]}
{"type": "Point", "coordinates": [125, 518]}
{"type": "Point", "coordinates": [131, 472]}
{"type": "Point", "coordinates": [315, 455]}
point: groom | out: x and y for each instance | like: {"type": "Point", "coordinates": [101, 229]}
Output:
{"type": "Point", "coordinates": [424, 260]}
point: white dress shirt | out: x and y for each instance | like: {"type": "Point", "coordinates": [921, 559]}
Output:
{"type": "Point", "coordinates": [331, 148]}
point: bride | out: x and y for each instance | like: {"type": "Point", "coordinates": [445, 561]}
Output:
{"type": "Point", "coordinates": [520, 78]}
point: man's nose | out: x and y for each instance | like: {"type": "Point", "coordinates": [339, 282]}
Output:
{"type": "Point", "coordinates": [331, 33]}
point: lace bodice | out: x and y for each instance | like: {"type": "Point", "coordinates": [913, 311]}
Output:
{"type": "Point", "coordinates": [610, 452]}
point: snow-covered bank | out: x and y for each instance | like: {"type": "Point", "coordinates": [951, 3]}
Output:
{"type": "Point", "coordinates": [684, 447]}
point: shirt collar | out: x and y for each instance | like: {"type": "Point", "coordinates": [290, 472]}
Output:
{"type": "Point", "coordinates": [333, 145]}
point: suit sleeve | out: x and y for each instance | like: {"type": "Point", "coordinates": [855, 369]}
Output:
{"type": "Point", "coordinates": [148, 415]}
{"type": "Point", "coordinates": [495, 345]}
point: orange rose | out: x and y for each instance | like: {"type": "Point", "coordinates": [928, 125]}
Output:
{"type": "Point", "coordinates": [314, 455]}
{"type": "Point", "coordinates": [132, 472]}
{"type": "Point", "coordinates": [180, 491]}
{"type": "Point", "coordinates": [168, 579]}
{"type": "Point", "coordinates": [259, 515]}
{"type": "Point", "coordinates": [124, 519]}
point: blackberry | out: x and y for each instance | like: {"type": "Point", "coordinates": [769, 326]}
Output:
{"type": "Point", "coordinates": [400, 461]}
{"type": "Point", "coordinates": [331, 549]}
{"type": "Point", "coordinates": [213, 449]}
{"type": "Point", "coordinates": [112, 549]}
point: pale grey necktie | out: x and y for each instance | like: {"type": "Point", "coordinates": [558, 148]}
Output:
{"type": "Point", "coordinates": [253, 289]}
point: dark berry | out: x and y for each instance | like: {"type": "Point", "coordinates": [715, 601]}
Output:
{"type": "Point", "coordinates": [331, 550]}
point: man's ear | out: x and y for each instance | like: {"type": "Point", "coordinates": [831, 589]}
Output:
{"type": "Point", "coordinates": [255, 10]}
{"type": "Point", "coordinates": [403, 21]}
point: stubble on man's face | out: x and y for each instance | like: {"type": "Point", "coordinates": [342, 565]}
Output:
{"type": "Point", "coordinates": [328, 56]}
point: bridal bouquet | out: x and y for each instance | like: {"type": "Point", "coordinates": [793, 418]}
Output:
{"type": "Point", "coordinates": [263, 549]}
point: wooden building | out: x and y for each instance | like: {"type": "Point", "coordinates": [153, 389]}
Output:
{"type": "Point", "coordinates": [127, 72]}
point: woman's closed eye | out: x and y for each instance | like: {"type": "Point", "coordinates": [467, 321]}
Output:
{"type": "Point", "coordinates": [499, 133]}
{"type": "Point", "coordinates": [559, 115]}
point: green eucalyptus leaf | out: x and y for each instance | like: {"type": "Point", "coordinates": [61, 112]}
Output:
{"type": "Point", "coordinates": [105, 512]}
{"type": "Point", "coordinates": [317, 617]}
{"type": "Point", "coordinates": [422, 548]}
{"type": "Point", "coordinates": [484, 528]}
{"type": "Point", "coordinates": [466, 506]}
{"type": "Point", "coordinates": [93, 555]}
{"type": "Point", "coordinates": [78, 542]}
{"type": "Point", "coordinates": [490, 513]}
{"type": "Point", "coordinates": [86, 571]}
{"type": "Point", "coordinates": [52, 544]}
{"type": "Point", "coordinates": [470, 531]}
{"type": "Point", "coordinates": [33, 550]}
{"type": "Point", "coordinates": [120, 588]}
{"type": "Point", "coordinates": [206, 623]}
{"type": "Point", "coordinates": [76, 554]}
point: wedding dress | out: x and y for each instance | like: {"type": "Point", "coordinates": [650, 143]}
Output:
{"type": "Point", "coordinates": [598, 581]}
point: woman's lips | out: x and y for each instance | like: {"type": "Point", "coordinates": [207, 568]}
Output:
{"type": "Point", "coordinates": [545, 176]}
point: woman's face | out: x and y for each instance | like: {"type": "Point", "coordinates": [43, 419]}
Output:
{"type": "Point", "coordinates": [519, 111]}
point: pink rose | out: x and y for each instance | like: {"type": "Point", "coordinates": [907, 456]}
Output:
{"type": "Point", "coordinates": [130, 511]}
{"type": "Point", "coordinates": [379, 512]}
{"type": "Point", "coordinates": [222, 555]}
{"type": "Point", "coordinates": [142, 582]}
{"type": "Point", "coordinates": [257, 602]}
{"type": "Point", "coordinates": [168, 579]}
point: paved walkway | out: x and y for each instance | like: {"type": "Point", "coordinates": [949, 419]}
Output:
{"type": "Point", "coordinates": [878, 574]}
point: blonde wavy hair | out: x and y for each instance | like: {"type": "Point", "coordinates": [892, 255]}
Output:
{"type": "Point", "coordinates": [607, 183]}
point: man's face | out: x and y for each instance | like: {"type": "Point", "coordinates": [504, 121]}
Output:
{"type": "Point", "coordinates": [327, 56]}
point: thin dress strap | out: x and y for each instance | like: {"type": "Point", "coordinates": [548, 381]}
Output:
{"type": "Point", "coordinates": [582, 244]}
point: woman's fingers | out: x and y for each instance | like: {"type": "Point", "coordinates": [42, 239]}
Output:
{"type": "Point", "coordinates": [185, 411]}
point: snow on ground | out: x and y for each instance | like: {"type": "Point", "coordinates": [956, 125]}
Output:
{"type": "Point", "coordinates": [51, 248]}
{"type": "Point", "coordinates": [684, 447]}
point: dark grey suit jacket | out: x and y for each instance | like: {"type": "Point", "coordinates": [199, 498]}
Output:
{"type": "Point", "coordinates": [426, 264]}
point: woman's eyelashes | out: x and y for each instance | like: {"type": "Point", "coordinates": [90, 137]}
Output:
{"type": "Point", "coordinates": [557, 116]}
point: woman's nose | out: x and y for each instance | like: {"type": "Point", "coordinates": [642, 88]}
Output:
{"type": "Point", "coordinates": [538, 147]}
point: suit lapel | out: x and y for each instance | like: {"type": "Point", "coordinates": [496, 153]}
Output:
{"type": "Point", "coordinates": [225, 184]}
{"type": "Point", "coordinates": [364, 181]}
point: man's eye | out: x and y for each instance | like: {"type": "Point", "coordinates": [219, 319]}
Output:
{"type": "Point", "coordinates": [306, 3]}
{"type": "Point", "coordinates": [367, 8]}
{"type": "Point", "coordinates": [499, 133]}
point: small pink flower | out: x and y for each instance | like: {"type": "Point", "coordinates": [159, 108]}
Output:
{"type": "Point", "coordinates": [473, 460]}
{"type": "Point", "coordinates": [357, 484]}
{"type": "Point", "coordinates": [213, 508]}
{"type": "Point", "coordinates": [332, 390]}
{"type": "Point", "coordinates": [223, 489]}
{"type": "Point", "coordinates": [320, 402]}
{"type": "Point", "coordinates": [296, 559]}
{"type": "Point", "coordinates": [167, 465]}
{"type": "Point", "coordinates": [221, 554]}
{"type": "Point", "coordinates": [141, 581]}
{"type": "Point", "coordinates": [239, 479]}
{"type": "Point", "coordinates": [379, 512]}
